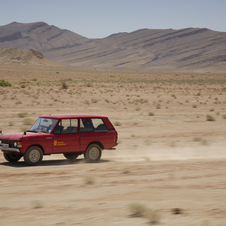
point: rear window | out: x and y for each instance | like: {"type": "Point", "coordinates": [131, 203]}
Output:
{"type": "Point", "coordinates": [92, 125]}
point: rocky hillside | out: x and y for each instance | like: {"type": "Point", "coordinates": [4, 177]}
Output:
{"type": "Point", "coordinates": [190, 49]}
{"type": "Point", "coordinates": [39, 36]}
{"type": "Point", "coordinates": [21, 56]}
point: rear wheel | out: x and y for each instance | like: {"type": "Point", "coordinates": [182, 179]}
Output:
{"type": "Point", "coordinates": [33, 155]}
{"type": "Point", "coordinates": [12, 157]}
{"type": "Point", "coordinates": [93, 153]}
{"type": "Point", "coordinates": [71, 156]}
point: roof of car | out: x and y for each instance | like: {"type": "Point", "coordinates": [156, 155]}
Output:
{"type": "Point", "coordinates": [66, 116]}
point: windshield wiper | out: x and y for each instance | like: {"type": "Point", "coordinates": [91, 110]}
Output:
{"type": "Point", "coordinates": [33, 131]}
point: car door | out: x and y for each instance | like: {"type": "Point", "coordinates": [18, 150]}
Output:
{"type": "Point", "coordinates": [66, 137]}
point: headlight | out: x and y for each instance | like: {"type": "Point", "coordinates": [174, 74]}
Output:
{"type": "Point", "coordinates": [17, 144]}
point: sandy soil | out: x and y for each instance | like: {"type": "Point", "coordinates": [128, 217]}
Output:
{"type": "Point", "coordinates": [170, 158]}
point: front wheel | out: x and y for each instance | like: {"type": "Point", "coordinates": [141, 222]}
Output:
{"type": "Point", "coordinates": [71, 156]}
{"type": "Point", "coordinates": [11, 157]}
{"type": "Point", "coordinates": [93, 153]}
{"type": "Point", "coordinates": [33, 155]}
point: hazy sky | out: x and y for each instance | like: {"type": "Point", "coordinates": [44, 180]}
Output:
{"type": "Point", "coordinates": [101, 18]}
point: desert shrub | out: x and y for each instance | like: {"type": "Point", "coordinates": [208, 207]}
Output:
{"type": "Point", "coordinates": [22, 115]}
{"type": "Point", "coordinates": [126, 171]}
{"type": "Point", "coordinates": [89, 84]}
{"type": "Point", "coordinates": [204, 142]}
{"type": "Point", "coordinates": [224, 116]}
{"type": "Point", "coordinates": [28, 121]}
{"type": "Point", "coordinates": [210, 118]}
{"type": "Point", "coordinates": [37, 204]}
{"type": "Point", "coordinates": [117, 123]}
{"type": "Point", "coordinates": [137, 209]}
{"type": "Point", "coordinates": [18, 102]}
{"type": "Point", "coordinates": [153, 217]}
{"type": "Point", "coordinates": [140, 210]}
{"type": "Point", "coordinates": [174, 96]}
{"type": "Point", "coordinates": [89, 180]}
{"type": "Point", "coordinates": [63, 84]}
{"type": "Point", "coordinates": [197, 139]}
{"type": "Point", "coordinates": [151, 114]}
{"type": "Point", "coordinates": [94, 101]}
{"type": "Point", "coordinates": [158, 106]}
{"type": "Point", "coordinates": [141, 101]}
{"type": "Point", "coordinates": [5, 83]}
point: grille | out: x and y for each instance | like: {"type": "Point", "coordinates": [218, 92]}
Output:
{"type": "Point", "coordinates": [9, 142]}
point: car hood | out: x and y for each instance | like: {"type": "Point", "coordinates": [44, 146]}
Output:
{"type": "Point", "coordinates": [18, 136]}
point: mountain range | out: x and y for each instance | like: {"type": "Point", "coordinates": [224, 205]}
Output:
{"type": "Point", "coordinates": [189, 49]}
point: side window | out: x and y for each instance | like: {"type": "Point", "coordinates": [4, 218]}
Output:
{"type": "Point", "coordinates": [67, 126]}
{"type": "Point", "coordinates": [92, 125]}
{"type": "Point", "coordinates": [99, 125]}
{"type": "Point", "coordinates": [86, 125]}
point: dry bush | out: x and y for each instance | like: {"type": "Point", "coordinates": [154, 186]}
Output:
{"type": "Point", "coordinates": [37, 204]}
{"type": "Point", "coordinates": [22, 115]}
{"type": "Point", "coordinates": [89, 180]}
{"type": "Point", "coordinates": [18, 102]}
{"type": "Point", "coordinates": [117, 123]}
{"type": "Point", "coordinates": [151, 114]}
{"type": "Point", "coordinates": [197, 139]}
{"type": "Point", "coordinates": [210, 118]}
{"type": "Point", "coordinates": [63, 84]}
{"type": "Point", "coordinates": [4, 83]}
{"type": "Point", "coordinates": [126, 171]}
{"type": "Point", "coordinates": [140, 210]}
{"type": "Point", "coordinates": [153, 216]}
{"type": "Point", "coordinates": [28, 121]}
{"type": "Point", "coordinates": [137, 209]}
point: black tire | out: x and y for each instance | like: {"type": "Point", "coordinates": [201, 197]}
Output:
{"type": "Point", "coordinates": [33, 156]}
{"type": "Point", "coordinates": [11, 157]}
{"type": "Point", "coordinates": [71, 156]}
{"type": "Point", "coordinates": [93, 153]}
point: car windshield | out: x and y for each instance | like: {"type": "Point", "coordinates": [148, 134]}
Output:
{"type": "Point", "coordinates": [44, 125]}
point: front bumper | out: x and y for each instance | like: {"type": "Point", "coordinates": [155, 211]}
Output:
{"type": "Point", "coordinates": [7, 149]}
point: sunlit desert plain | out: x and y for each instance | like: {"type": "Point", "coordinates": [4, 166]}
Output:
{"type": "Point", "coordinates": [168, 168]}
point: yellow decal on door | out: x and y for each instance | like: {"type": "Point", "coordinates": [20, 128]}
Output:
{"type": "Point", "coordinates": [58, 143]}
{"type": "Point", "coordinates": [55, 143]}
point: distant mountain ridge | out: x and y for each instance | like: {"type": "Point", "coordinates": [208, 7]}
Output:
{"type": "Point", "coordinates": [37, 36]}
{"type": "Point", "coordinates": [189, 49]}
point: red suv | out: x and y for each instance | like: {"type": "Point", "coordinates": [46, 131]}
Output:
{"type": "Point", "coordinates": [71, 135]}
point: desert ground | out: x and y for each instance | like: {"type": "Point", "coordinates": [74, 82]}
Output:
{"type": "Point", "coordinates": [168, 168]}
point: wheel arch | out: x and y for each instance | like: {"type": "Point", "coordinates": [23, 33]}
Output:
{"type": "Point", "coordinates": [38, 145]}
{"type": "Point", "coordinates": [96, 142]}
